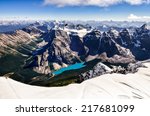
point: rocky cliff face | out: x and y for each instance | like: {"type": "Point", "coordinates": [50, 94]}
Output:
{"type": "Point", "coordinates": [63, 48]}
{"type": "Point", "coordinates": [105, 44]}
{"type": "Point", "coordinates": [137, 42]}
{"type": "Point", "coordinates": [97, 70]}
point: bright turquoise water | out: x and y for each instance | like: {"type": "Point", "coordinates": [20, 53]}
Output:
{"type": "Point", "coordinates": [71, 67]}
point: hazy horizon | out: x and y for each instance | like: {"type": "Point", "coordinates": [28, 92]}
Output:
{"type": "Point", "coordinates": [61, 20]}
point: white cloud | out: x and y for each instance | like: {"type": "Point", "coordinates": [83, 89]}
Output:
{"type": "Point", "coordinates": [134, 17]}
{"type": "Point", "coordinates": [137, 2]}
{"type": "Point", "coordinates": [101, 3]}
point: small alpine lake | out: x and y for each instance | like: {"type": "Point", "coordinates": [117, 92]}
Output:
{"type": "Point", "coordinates": [71, 67]}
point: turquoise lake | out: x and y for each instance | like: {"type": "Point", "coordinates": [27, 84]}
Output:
{"type": "Point", "coordinates": [71, 67]}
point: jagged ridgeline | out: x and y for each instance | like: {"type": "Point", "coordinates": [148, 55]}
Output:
{"type": "Point", "coordinates": [56, 54]}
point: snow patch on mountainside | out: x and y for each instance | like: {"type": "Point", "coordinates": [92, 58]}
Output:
{"type": "Point", "coordinates": [81, 33]}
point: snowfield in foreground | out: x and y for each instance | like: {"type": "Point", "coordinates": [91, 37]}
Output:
{"type": "Point", "coordinates": [130, 86]}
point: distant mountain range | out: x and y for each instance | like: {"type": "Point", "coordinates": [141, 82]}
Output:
{"type": "Point", "coordinates": [10, 26]}
{"type": "Point", "coordinates": [32, 52]}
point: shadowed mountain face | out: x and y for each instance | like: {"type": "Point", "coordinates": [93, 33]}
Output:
{"type": "Point", "coordinates": [138, 42]}
{"type": "Point", "coordinates": [35, 52]}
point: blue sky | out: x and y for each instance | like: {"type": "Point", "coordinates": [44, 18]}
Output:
{"type": "Point", "coordinates": [75, 9]}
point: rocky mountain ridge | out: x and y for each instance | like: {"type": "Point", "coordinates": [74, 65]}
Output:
{"type": "Point", "coordinates": [45, 48]}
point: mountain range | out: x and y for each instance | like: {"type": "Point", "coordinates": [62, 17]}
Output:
{"type": "Point", "coordinates": [35, 52]}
